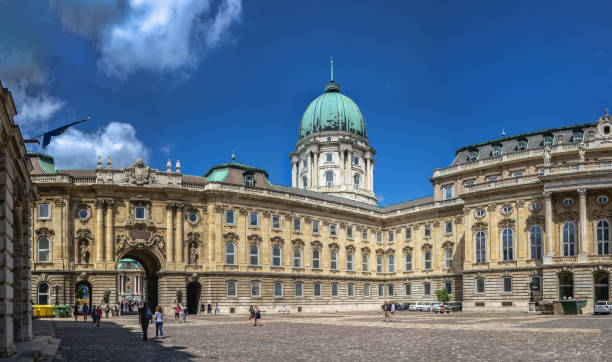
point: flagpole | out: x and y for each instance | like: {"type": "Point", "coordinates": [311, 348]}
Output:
{"type": "Point", "coordinates": [34, 139]}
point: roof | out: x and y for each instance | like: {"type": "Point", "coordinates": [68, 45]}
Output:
{"type": "Point", "coordinates": [42, 164]}
{"type": "Point", "coordinates": [233, 165]}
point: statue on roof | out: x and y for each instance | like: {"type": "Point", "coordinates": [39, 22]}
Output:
{"type": "Point", "coordinates": [547, 156]}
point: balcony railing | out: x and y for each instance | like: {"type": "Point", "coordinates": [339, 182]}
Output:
{"type": "Point", "coordinates": [505, 182]}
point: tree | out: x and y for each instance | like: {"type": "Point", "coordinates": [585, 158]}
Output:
{"type": "Point", "coordinates": [443, 295]}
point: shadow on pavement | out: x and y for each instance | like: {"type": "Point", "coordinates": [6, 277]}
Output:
{"type": "Point", "coordinates": [80, 341]}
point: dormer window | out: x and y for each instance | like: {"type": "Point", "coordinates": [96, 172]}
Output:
{"type": "Point", "coordinates": [548, 141]}
{"type": "Point", "coordinates": [473, 155]}
{"type": "Point", "coordinates": [249, 180]}
{"type": "Point", "coordinates": [497, 150]}
{"type": "Point", "coordinates": [577, 136]}
{"type": "Point", "coordinates": [521, 145]}
{"type": "Point", "coordinates": [606, 130]}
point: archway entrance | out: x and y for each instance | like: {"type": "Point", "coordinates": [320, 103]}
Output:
{"type": "Point", "coordinates": [151, 266]}
{"type": "Point", "coordinates": [194, 291]}
{"type": "Point", "coordinates": [566, 286]}
{"type": "Point", "coordinates": [82, 294]}
{"type": "Point", "coordinates": [601, 286]}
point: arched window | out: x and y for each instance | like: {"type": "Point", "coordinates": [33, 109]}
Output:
{"type": "Point", "coordinates": [44, 252]}
{"type": "Point", "coordinates": [408, 262]}
{"type": "Point", "coordinates": [507, 244]}
{"type": "Point", "coordinates": [44, 294]}
{"type": "Point", "coordinates": [427, 260]}
{"type": "Point", "coordinates": [569, 239]}
{"type": "Point", "coordinates": [603, 237]}
{"type": "Point", "coordinates": [253, 254]}
{"type": "Point", "coordinates": [448, 258]}
{"type": "Point", "coordinates": [304, 182]}
{"type": "Point", "coordinates": [276, 255]}
{"type": "Point", "coordinates": [535, 238]}
{"type": "Point", "coordinates": [481, 246]}
{"type": "Point", "coordinates": [297, 258]}
{"type": "Point", "coordinates": [329, 178]}
{"type": "Point", "coordinates": [316, 259]}
{"type": "Point", "coordinates": [349, 261]}
{"type": "Point", "coordinates": [333, 260]}
{"type": "Point", "coordinates": [230, 254]}
{"type": "Point", "coordinates": [356, 180]}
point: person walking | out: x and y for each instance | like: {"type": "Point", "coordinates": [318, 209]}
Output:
{"type": "Point", "coordinates": [94, 315]}
{"type": "Point", "coordinates": [177, 311]}
{"type": "Point", "coordinates": [251, 313]}
{"type": "Point", "coordinates": [202, 308]}
{"type": "Point", "coordinates": [216, 309]}
{"type": "Point", "coordinates": [144, 317]}
{"type": "Point", "coordinates": [386, 310]}
{"type": "Point", "coordinates": [107, 310]}
{"type": "Point", "coordinates": [99, 314]}
{"type": "Point", "coordinates": [159, 321]}
{"type": "Point", "coordinates": [85, 311]}
{"type": "Point", "coordinates": [184, 313]}
{"type": "Point", "coordinates": [76, 311]}
{"type": "Point", "coordinates": [257, 316]}
{"type": "Point", "coordinates": [209, 309]}
{"type": "Point", "coordinates": [392, 312]}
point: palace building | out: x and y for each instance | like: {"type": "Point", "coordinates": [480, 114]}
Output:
{"type": "Point", "coordinates": [510, 219]}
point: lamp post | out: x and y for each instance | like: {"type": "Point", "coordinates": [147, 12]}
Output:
{"type": "Point", "coordinates": [57, 289]}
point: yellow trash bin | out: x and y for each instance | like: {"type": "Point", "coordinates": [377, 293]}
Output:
{"type": "Point", "coordinates": [46, 311]}
{"type": "Point", "coordinates": [36, 311]}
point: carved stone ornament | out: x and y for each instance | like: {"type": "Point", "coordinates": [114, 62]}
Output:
{"type": "Point", "coordinates": [44, 232]}
{"type": "Point", "coordinates": [491, 207]}
{"type": "Point", "coordinates": [139, 174]}
{"type": "Point", "coordinates": [436, 223]}
{"type": "Point", "coordinates": [277, 240]}
{"type": "Point", "coordinates": [601, 214]}
{"type": "Point", "coordinates": [193, 278]}
{"type": "Point", "coordinates": [520, 203]}
{"type": "Point", "coordinates": [407, 249]}
{"type": "Point", "coordinates": [187, 216]}
{"type": "Point", "coordinates": [426, 246]}
{"type": "Point", "coordinates": [334, 246]}
{"type": "Point", "coordinates": [124, 242]}
{"type": "Point", "coordinates": [59, 202]}
{"type": "Point", "coordinates": [83, 277]}
{"type": "Point", "coordinates": [254, 238]}
{"type": "Point", "coordinates": [316, 244]}
{"type": "Point", "coordinates": [568, 216]}
{"type": "Point", "coordinates": [466, 211]}
{"type": "Point", "coordinates": [365, 250]}
{"type": "Point", "coordinates": [77, 210]}
{"type": "Point", "coordinates": [534, 219]}
{"type": "Point", "coordinates": [298, 242]}
{"type": "Point", "coordinates": [350, 248]}
{"type": "Point", "coordinates": [448, 244]}
{"type": "Point", "coordinates": [230, 236]}
{"type": "Point", "coordinates": [390, 251]}
{"type": "Point", "coordinates": [219, 209]}
{"type": "Point", "coordinates": [506, 223]}
{"type": "Point", "coordinates": [380, 251]}
{"type": "Point", "coordinates": [243, 211]}
{"type": "Point", "coordinates": [84, 240]}
{"type": "Point", "coordinates": [193, 237]}
{"type": "Point", "coordinates": [480, 225]}
{"type": "Point", "coordinates": [266, 214]}
{"type": "Point", "coordinates": [458, 220]}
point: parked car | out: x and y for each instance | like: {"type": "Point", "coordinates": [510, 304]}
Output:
{"type": "Point", "coordinates": [603, 307]}
{"type": "Point", "coordinates": [455, 306]}
{"type": "Point", "coordinates": [424, 307]}
{"type": "Point", "coordinates": [437, 308]}
{"type": "Point", "coordinates": [413, 307]}
{"type": "Point", "coordinates": [407, 306]}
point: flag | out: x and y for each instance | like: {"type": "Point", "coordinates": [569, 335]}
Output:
{"type": "Point", "coordinates": [58, 131]}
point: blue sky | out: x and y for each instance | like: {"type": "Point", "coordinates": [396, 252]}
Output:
{"type": "Point", "coordinates": [195, 80]}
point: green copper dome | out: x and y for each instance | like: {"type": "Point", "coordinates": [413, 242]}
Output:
{"type": "Point", "coordinates": [332, 111]}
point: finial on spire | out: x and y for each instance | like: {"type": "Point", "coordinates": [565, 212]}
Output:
{"type": "Point", "coordinates": [168, 166]}
{"type": "Point", "coordinates": [233, 156]}
{"type": "Point", "coordinates": [332, 69]}
{"type": "Point", "coordinates": [503, 132]}
{"type": "Point", "coordinates": [99, 162]}
{"type": "Point", "coordinates": [606, 111]}
{"type": "Point", "coordinates": [177, 167]}
{"type": "Point", "coordinates": [108, 162]}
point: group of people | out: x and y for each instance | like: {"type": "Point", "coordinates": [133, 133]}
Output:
{"type": "Point", "coordinates": [145, 317]}
{"type": "Point", "coordinates": [208, 308]}
{"type": "Point", "coordinates": [180, 313]}
{"type": "Point", "coordinates": [389, 309]}
{"type": "Point", "coordinates": [94, 311]}
{"type": "Point", "coordinates": [255, 315]}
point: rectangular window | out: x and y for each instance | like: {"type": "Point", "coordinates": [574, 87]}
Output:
{"type": "Point", "coordinates": [333, 260]}
{"type": "Point", "coordinates": [350, 290]}
{"type": "Point", "coordinates": [480, 285]}
{"type": "Point", "coordinates": [366, 290]}
{"type": "Point", "coordinates": [299, 289]}
{"type": "Point", "coordinates": [254, 219]}
{"type": "Point", "coordinates": [390, 290]}
{"type": "Point", "coordinates": [305, 163]}
{"type": "Point", "coordinates": [44, 211]}
{"type": "Point", "coordinates": [517, 174]}
{"type": "Point", "coordinates": [521, 145]}
{"type": "Point", "coordinates": [391, 263]}
{"type": "Point", "coordinates": [469, 182]}
{"type": "Point", "coordinates": [408, 234]}
{"type": "Point", "coordinates": [426, 288]}
{"type": "Point", "coordinates": [449, 287]}
{"type": "Point", "coordinates": [297, 224]}
{"type": "Point", "coordinates": [448, 258]}
{"type": "Point", "coordinates": [390, 236]}
{"type": "Point", "coordinates": [315, 227]}
{"type": "Point", "coordinates": [255, 288]}
{"type": "Point", "coordinates": [381, 290]}
{"type": "Point", "coordinates": [334, 290]}
{"type": "Point", "coordinates": [276, 222]}
{"type": "Point", "coordinates": [349, 232]}
{"type": "Point", "coordinates": [333, 230]}
{"type": "Point", "coordinates": [427, 260]}
{"type": "Point", "coordinates": [364, 234]}
{"type": "Point", "coordinates": [356, 160]}
{"type": "Point", "coordinates": [548, 141]}
{"type": "Point", "coordinates": [379, 237]}
{"type": "Point", "coordinates": [447, 192]}
{"type": "Point", "coordinates": [448, 227]}
{"type": "Point", "coordinates": [379, 262]}
{"type": "Point", "coordinates": [231, 286]}
{"type": "Point", "coordinates": [492, 178]}
{"type": "Point", "coordinates": [408, 289]}
{"type": "Point", "coordinates": [349, 261]}
{"type": "Point", "coordinates": [497, 151]}
{"type": "Point", "coordinates": [408, 266]}
{"type": "Point", "coordinates": [229, 217]}
{"type": "Point", "coordinates": [140, 213]}
{"type": "Point", "coordinates": [536, 283]}
{"type": "Point", "coordinates": [577, 136]}
{"type": "Point", "coordinates": [317, 289]}
{"type": "Point", "coordinates": [278, 289]}
{"type": "Point", "coordinates": [426, 231]}
{"type": "Point", "coordinates": [507, 285]}
{"type": "Point", "coordinates": [329, 157]}
{"type": "Point", "coordinates": [365, 266]}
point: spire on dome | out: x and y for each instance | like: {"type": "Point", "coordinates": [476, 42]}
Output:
{"type": "Point", "coordinates": [332, 69]}
{"type": "Point", "coordinates": [332, 86]}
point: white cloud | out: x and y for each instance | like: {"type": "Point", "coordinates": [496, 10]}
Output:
{"type": "Point", "coordinates": [151, 35]}
{"type": "Point", "coordinates": [28, 83]}
{"type": "Point", "coordinates": [79, 150]}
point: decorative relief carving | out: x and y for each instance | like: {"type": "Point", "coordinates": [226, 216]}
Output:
{"type": "Point", "coordinates": [254, 238]}
{"type": "Point", "coordinates": [534, 219]}
{"type": "Point", "coordinates": [491, 208]}
{"type": "Point", "coordinates": [601, 214]}
{"type": "Point", "coordinates": [230, 236]}
{"type": "Point", "coordinates": [219, 209]}
{"type": "Point", "coordinates": [506, 222]}
{"type": "Point", "coordinates": [242, 211]}
{"type": "Point", "coordinates": [365, 250]}
{"type": "Point", "coordinates": [298, 242]}
{"type": "Point", "coordinates": [380, 251]}
{"type": "Point", "coordinates": [266, 214]}
{"type": "Point", "coordinates": [59, 202]}
{"type": "Point", "coordinates": [448, 244]}
{"type": "Point", "coordinates": [466, 211]}
{"type": "Point", "coordinates": [407, 249]}
{"type": "Point", "coordinates": [350, 248]}
{"type": "Point", "coordinates": [426, 246]}
{"type": "Point", "coordinates": [436, 223]}
{"type": "Point", "coordinates": [44, 232]}
{"type": "Point", "coordinates": [568, 216]}
{"type": "Point", "coordinates": [139, 174]}
{"type": "Point", "coordinates": [277, 240]}
{"type": "Point", "coordinates": [155, 241]}
{"type": "Point", "coordinates": [480, 225]}
{"type": "Point", "coordinates": [334, 246]}
{"type": "Point", "coordinates": [390, 251]}
{"type": "Point", "coordinates": [458, 220]}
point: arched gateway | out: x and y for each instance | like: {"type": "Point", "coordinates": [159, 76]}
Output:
{"type": "Point", "coordinates": [152, 264]}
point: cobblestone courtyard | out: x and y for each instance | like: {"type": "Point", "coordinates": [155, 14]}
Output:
{"type": "Point", "coordinates": [364, 337]}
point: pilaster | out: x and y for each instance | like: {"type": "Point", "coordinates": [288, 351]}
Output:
{"type": "Point", "coordinates": [584, 243]}
{"type": "Point", "coordinates": [548, 225]}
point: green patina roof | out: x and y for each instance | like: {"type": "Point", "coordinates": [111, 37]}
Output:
{"type": "Point", "coordinates": [124, 261]}
{"type": "Point", "coordinates": [332, 111]}
{"type": "Point", "coordinates": [45, 162]}
{"type": "Point", "coordinates": [218, 173]}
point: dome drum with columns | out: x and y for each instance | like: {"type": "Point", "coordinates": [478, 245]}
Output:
{"type": "Point", "coordinates": [333, 154]}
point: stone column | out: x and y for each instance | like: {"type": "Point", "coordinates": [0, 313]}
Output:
{"type": "Point", "coordinates": [583, 243]}
{"type": "Point", "coordinates": [170, 231]}
{"type": "Point", "coordinates": [99, 231]}
{"type": "Point", "coordinates": [548, 226]}
{"type": "Point", "coordinates": [315, 176]}
{"type": "Point", "coordinates": [178, 239]}
{"type": "Point", "coordinates": [372, 175]}
{"type": "Point", "coordinates": [294, 182]}
{"type": "Point", "coordinates": [347, 175]}
{"type": "Point", "coordinates": [366, 174]}
{"type": "Point", "coordinates": [110, 232]}
{"type": "Point", "coordinates": [310, 171]}
{"type": "Point", "coordinates": [341, 177]}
